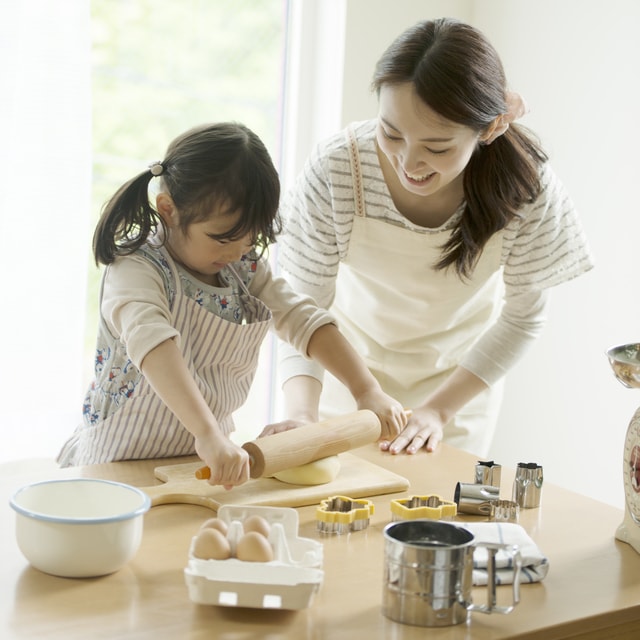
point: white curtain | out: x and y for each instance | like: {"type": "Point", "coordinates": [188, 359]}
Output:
{"type": "Point", "coordinates": [45, 177]}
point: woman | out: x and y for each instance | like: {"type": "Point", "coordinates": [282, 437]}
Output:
{"type": "Point", "coordinates": [433, 233]}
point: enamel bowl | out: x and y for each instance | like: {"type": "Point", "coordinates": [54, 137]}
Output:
{"type": "Point", "coordinates": [79, 527]}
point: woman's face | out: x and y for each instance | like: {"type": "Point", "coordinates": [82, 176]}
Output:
{"type": "Point", "coordinates": [426, 151]}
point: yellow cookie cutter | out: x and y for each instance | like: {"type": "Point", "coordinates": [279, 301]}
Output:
{"type": "Point", "coordinates": [430, 506]}
{"type": "Point", "coordinates": [339, 514]}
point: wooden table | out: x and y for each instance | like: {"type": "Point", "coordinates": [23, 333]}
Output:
{"type": "Point", "coordinates": [592, 589]}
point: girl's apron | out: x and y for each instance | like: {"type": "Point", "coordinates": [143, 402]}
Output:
{"type": "Point", "coordinates": [222, 357]}
{"type": "Point", "coordinates": [411, 323]}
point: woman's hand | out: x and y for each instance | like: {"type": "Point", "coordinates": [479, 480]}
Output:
{"type": "Point", "coordinates": [229, 463]}
{"type": "Point", "coordinates": [424, 429]}
{"type": "Point", "coordinates": [390, 412]}
{"type": "Point", "coordinates": [427, 422]}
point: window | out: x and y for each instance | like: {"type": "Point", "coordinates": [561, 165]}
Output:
{"type": "Point", "coordinates": [160, 67]}
{"type": "Point", "coordinates": [94, 92]}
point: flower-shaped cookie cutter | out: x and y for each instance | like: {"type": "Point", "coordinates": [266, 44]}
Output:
{"type": "Point", "coordinates": [430, 506]}
{"type": "Point", "coordinates": [504, 511]}
{"type": "Point", "coordinates": [340, 514]}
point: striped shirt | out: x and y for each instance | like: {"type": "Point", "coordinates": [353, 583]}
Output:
{"type": "Point", "coordinates": [542, 247]}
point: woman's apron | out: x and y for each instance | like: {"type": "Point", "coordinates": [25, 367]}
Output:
{"type": "Point", "coordinates": [222, 356]}
{"type": "Point", "coordinates": [411, 323]}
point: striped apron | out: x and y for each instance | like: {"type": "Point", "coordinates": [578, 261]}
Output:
{"type": "Point", "coordinates": [222, 357]}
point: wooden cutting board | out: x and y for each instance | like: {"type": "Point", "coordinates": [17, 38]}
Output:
{"type": "Point", "coordinates": [358, 478]}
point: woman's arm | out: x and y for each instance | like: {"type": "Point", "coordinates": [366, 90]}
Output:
{"type": "Point", "coordinates": [427, 422]}
{"type": "Point", "coordinates": [519, 324]}
{"type": "Point", "coordinates": [302, 399]}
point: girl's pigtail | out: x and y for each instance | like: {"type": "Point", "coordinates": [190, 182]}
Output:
{"type": "Point", "coordinates": [126, 221]}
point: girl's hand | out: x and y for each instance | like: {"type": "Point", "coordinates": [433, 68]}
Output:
{"type": "Point", "coordinates": [390, 412]}
{"type": "Point", "coordinates": [424, 429]}
{"type": "Point", "coordinates": [229, 463]}
{"type": "Point", "coordinates": [277, 427]}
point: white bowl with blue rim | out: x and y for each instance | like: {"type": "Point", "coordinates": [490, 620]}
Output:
{"type": "Point", "coordinates": [79, 527]}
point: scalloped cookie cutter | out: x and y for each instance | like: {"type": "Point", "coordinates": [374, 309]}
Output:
{"type": "Point", "coordinates": [340, 514]}
{"type": "Point", "coordinates": [430, 506]}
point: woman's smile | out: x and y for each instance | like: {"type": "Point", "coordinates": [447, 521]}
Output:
{"type": "Point", "coordinates": [419, 179]}
{"type": "Point", "coordinates": [426, 151]}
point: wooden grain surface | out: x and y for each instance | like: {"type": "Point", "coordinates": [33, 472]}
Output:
{"type": "Point", "coordinates": [358, 478]}
{"type": "Point", "coordinates": [592, 590]}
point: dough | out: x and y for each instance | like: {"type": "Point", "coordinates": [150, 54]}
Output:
{"type": "Point", "coordinates": [316, 472]}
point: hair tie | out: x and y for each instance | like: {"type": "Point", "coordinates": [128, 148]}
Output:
{"type": "Point", "coordinates": [516, 108]}
{"type": "Point", "coordinates": [156, 168]}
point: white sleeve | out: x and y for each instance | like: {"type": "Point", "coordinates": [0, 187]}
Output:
{"type": "Point", "coordinates": [134, 306]}
{"type": "Point", "coordinates": [521, 321]}
{"type": "Point", "coordinates": [545, 245]}
{"type": "Point", "coordinates": [309, 249]}
{"type": "Point", "coordinates": [296, 317]}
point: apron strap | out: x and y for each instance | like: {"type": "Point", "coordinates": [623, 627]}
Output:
{"type": "Point", "coordinates": [356, 172]}
{"type": "Point", "coordinates": [236, 275]}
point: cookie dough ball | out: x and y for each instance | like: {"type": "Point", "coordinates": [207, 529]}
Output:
{"type": "Point", "coordinates": [316, 472]}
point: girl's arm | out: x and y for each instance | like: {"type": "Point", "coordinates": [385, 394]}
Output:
{"type": "Point", "coordinates": [167, 373]}
{"type": "Point", "coordinates": [311, 330]}
{"type": "Point", "coordinates": [135, 309]}
{"type": "Point", "coordinates": [332, 350]}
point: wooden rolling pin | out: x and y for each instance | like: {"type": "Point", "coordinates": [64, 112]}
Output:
{"type": "Point", "coordinates": [307, 443]}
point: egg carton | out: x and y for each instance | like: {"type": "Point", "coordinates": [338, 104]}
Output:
{"type": "Point", "coordinates": [289, 581]}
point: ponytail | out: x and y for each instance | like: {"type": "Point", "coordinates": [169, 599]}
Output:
{"type": "Point", "coordinates": [126, 221]}
{"type": "Point", "coordinates": [220, 166]}
{"type": "Point", "coordinates": [499, 179]}
{"type": "Point", "coordinates": [456, 72]}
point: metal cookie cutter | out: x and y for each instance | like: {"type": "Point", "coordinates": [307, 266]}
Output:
{"type": "Point", "coordinates": [475, 498]}
{"type": "Point", "coordinates": [488, 473]}
{"type": "Point", "coordinates": [339, 514]}
{"type": "Point", "coordinates": [527, 485]}
{"type": "Point", "coordinates": [504, 511]}
{"type": "Point", "coordinates": [431, 506]}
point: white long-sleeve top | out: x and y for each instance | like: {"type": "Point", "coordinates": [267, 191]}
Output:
{"type": "Point", "coordinates": [543, 246]}
{"type": "Point", "coordinates": [136, 303]}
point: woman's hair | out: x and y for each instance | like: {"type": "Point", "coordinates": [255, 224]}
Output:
{"type": "Point", "coordinates": [457, 73]}
{"type": "Point", "coordinates": [222, 165]}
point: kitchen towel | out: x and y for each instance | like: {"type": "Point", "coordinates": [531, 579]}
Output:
{"type": "Point", "coordinates": [535, 564]}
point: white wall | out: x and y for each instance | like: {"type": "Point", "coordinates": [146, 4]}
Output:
{"type": "Point", "coordinates": [45, 177]}
{"type": "Point", "coordinates": [577, 63]}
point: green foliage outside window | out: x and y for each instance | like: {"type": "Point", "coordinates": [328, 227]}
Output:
{"type": "Point", "coordinates": [160, 67]}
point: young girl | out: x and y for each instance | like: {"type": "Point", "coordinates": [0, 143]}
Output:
{"type": "Point", "coordinates": [186, 301]}
{"type": "Point", "coordinates": [432, 212]}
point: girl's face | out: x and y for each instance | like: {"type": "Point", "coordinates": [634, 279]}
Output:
{"type": "Point", "coordinates": [198, 249]}
{"type": "Point", "coordinates": [426, 151]}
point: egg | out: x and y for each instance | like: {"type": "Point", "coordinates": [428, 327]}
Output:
{"type": "Point", "coordinates": [215, 523]}
{"type": "Point", "coordinates": [211, 544]}
{"type": "Point", "coordinates": [254, 547]}
{"type": "Point", "coordinates": [256, 523]}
